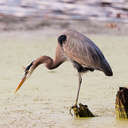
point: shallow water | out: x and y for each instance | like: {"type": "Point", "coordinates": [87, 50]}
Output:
{"type": "Point", "coordinates": [45, 99]}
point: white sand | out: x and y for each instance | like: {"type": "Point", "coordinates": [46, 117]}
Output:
{"type": "Point", "coordinates": [44, 100]}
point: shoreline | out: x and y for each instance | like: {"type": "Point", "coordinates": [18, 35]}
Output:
{"type": "Point", "coordinates": [11, 24]}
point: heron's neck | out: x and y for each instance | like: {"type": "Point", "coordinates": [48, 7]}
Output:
{"type": "Point", "coordinates": [48, 61]}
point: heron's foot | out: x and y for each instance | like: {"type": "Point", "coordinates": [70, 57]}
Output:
{"type": "Point", "coordinates": [74, 108]}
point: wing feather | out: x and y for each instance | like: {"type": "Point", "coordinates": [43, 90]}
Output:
{"type": "Point", "coordinates": [81, 49]}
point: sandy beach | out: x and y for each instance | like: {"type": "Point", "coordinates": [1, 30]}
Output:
{"type": "Point", "coordinates": [45, 99]}
{"type": "Point", "coordinates": [29, 29]}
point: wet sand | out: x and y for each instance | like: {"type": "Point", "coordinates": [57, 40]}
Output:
{"type": "Point", "coordinates": [45, 99]}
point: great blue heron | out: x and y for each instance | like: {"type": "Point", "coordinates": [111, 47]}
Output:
{"type": "Point", "coordinates": [77, 48]}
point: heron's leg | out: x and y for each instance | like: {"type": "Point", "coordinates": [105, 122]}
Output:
{"type": "Point", "coordinates": [80, 81]}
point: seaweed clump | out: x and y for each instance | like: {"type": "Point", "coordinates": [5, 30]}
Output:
{"type": "Point", "coordinates": [121, 105]}
{"type": "Point", "coordinates": [81, 111]}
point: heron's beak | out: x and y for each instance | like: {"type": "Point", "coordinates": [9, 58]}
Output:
{"type": "Point", "coordinates": [28, 72]}
{"type": "Point", "coordinates": [21, 83]}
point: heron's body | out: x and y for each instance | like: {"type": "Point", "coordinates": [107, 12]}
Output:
{"type": "Point", "coordinates": [77, 48]}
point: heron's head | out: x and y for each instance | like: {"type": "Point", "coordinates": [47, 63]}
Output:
{"type": "Point", "coordinates": [28, 71]}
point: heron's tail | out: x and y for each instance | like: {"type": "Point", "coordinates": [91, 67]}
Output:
{"type": "Point", "coordinates": [107, 69]}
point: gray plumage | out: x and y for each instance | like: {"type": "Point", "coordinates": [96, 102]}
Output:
{"type": "Point", "coordinates": [82, 50]}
